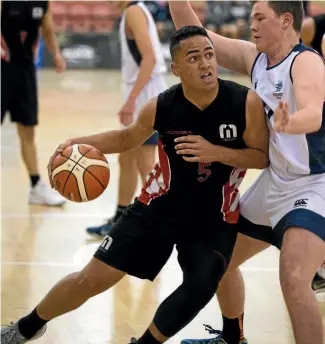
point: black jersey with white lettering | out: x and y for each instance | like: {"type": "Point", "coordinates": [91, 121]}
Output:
{"type": "Point", "coordinates": [20, 25]}
{"type": "Point", "coordinates": [193, 186]}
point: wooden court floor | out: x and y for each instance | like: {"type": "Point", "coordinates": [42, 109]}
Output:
{"type": "Point", "coordinates": [40, 245]}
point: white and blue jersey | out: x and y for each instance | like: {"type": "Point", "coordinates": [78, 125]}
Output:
{"type": "Point", "coordinates": [291, 192]}
{"type": "Point", "coordinates": [291, 156]}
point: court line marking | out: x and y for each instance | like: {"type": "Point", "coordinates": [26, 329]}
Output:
{"type": "Point", "coordinates": [63, 264]}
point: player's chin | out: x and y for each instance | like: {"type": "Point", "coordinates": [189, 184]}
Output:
{"type": "Point", "coordinates": [209, 84]}
{"type": "Point", "coordinates": [260, 46]}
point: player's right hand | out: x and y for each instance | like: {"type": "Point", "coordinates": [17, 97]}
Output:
{"type": "Point", "coordinates": [59, 150]}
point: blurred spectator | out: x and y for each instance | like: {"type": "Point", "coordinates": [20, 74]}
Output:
{"type": "Point", "coordinates": [229, 18]}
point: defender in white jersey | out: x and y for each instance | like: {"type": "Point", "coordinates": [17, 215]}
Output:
{"type": "Point", "coordinates": [286, 205]}
{"type": "Point", "coordinates": [143, 69]}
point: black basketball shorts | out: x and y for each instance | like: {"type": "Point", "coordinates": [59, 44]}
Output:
{"type": "Point", "coordinates": [19, 94]}
{"type": "Point", "coordinates": [143, 239]}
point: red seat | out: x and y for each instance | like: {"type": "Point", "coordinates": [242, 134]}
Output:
{"type": "Point", "coordinates": [80, 17]}
{"type": "Point", "coordinates": [103, 18]}
{"type": "Point", "coordinates": [60, 15]}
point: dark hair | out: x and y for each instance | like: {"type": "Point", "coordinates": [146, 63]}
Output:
{"type": "Point", "coordinates": [184, 33]}
{"type": "Point", "coordinates": [295, 8]}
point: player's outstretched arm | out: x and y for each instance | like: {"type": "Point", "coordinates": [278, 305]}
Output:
{"type": "Point", "coordinates": [308, 77]}
{"type": "Point", "coordinates": [131, 137]}
{"type": "Point", "coordinates": [233, 54]}
{"type": "Point", "coordinates": [116, 141]}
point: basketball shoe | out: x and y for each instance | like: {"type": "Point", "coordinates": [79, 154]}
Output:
{"type": "Point", "coordinates": [11, 335]}
{"type": "Point", "coordinates": [42, 194]}
{"type": "Point", "coordinates": [215, 340]}
{"type": "Point", "coordinates": [101, 230]}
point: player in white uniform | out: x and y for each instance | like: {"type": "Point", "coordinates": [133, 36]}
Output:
{"type": "Point", "coordinates": [289, 197]}
{"type": "Point", "coordinates": [143, 69]}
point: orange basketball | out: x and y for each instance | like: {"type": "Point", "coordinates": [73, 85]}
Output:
{"type": "Point", "coordinates": [80, 173]}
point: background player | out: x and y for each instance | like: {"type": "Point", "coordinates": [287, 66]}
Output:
{"type": "Point", "coordinates": [191, 170]}
{"type": "Point", "coordinates": [282, 71]}
{"type": "Point", "coordinates": [143, 67]}
{"type": "Point", "coordinates": [313, 32]}
{"type": "Point", "coordinates": [20, 25]}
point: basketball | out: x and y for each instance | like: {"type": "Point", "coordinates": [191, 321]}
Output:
{"type": "Point", "coordinates": [80, 173]}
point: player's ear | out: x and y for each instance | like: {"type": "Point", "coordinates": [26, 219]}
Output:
{"type": "Point", "coordinates": [175, 70]}
{"type": "Point", "coordinates": [287, 20]}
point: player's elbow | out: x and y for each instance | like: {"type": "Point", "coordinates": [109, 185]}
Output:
{"type": "Point", "coordinates": [263, 162]}
{"type": "Point", "coordinates": [150, 59]}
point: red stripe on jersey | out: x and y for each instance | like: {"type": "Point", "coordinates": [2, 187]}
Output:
{"type": "Point", "coordinates": [230, 192]}
{"type": "Point", "coordinates": [158, 180]}
{"type": "Point", "coordinates": [23, 35]}
{"type": "Point", "coordinates": [5, 55]}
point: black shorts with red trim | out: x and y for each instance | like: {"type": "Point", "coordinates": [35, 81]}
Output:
{"type": "Point", "coordinates": [143, 239]}
{"type": "Point", "coordinates": [19, 93]}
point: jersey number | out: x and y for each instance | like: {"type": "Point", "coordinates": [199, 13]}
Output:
{"type": "Point", "coordinates": [204, 171]}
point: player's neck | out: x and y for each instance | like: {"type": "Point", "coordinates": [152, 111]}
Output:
{"type": "Point", "coordinates": [281, 51]}
{"type": "Point", "coordinates": [201, 99]}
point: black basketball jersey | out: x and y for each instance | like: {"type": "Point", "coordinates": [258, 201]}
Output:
{"type": "Point", "coordinates": [192, 187]}
{"type": "Point", "coordinates": [20, 25]}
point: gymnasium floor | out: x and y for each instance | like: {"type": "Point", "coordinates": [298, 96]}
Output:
{"type": "Point", "coordinates": [41, 245]}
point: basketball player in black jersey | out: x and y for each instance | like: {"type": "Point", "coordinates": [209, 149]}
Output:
{"type": "Point", "coordinates": [313, 33]}
{"type": "Point", "coordinates": [21, 22]}
{"type": "Point", "coordinates": [210, 131]}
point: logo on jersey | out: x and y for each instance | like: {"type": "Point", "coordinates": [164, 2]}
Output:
{"type": "Point", "coordinates": [301, 203]}
{"type": "Point", "coordinates": [23, 35]}
{"type": "Point", "coordinates": [277, 93]}
{"type": "Point", "coordinates": [37, 13]}
{"type": "Point", "coordinates": [228, 132]}
{"type": "Point", "coordinates": [106, 244]}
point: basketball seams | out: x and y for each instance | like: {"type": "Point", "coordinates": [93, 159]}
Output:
{"type": "Point", "coordinates": [71, 172]}
{"type": "Point", "coordinates": [80, 175]}
{"type": "Point", "coordinates": [86, 169]}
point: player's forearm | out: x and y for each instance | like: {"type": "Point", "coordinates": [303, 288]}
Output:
{"type": "Point", "coordinates": [146, 68]}
{"type": "Point", "coordinates": [109, 142]}
{"type": "Point", "coordinates": [243, 158]}
{"type": "Point", "coordinates": [183, 14]}
{"type": "Point", "coordinates": [305, 121]}
{"type": "Point", "coordinates": [50, 40]}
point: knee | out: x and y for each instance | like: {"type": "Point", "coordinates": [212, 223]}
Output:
{"type": "Point", "coordinates": [145, 167]}
{"type": "Point", "coordinates": [291, 277]}
{"type": "Point", "coordinates": [26, 134]}
{"type": "Point", "coordinates": [92, 284]}
{"type": "Point", "coordinates": [201, 289]}
{"type": "Point", "coordinates": [126, 159]}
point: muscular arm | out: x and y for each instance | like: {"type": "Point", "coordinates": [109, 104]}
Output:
{"type": "Point", "coordinates": [308, 76]}
{"type": "Point", "coordinates": [233, 54]}
{"type": "Point", "coordinates": [136, 21]}
{"type": "Point", "coordinates": [131, 137]}
{"type": "Point", "coordinates": [49, 33]}
{"type": "Point", "coordinates": [256, 137]}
